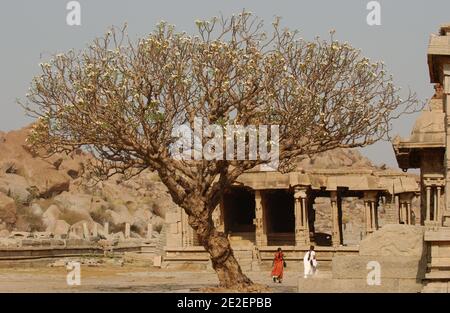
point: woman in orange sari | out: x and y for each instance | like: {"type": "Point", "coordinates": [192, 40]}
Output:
{"type": "Point", "coordinates": [278, 266]}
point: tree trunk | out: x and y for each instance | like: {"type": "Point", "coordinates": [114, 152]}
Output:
{"type": "Point", "coordinates": [224, 263]}
{"type": "Point", "coordinates": [217, 244]}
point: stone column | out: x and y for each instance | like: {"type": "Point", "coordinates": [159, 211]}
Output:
{"type": "Point", "coordinates": [428, 202]}
{"type": "Point", "coordinates": [405, 202]}
{"type": "Point", "coordinates": [374, 225]}
{"type": "Point", "coordinates": [367, 217]}
{"type": "Point", "coordinates": [336, 236]}
{"type": "Point", "coordinates": [127, 230]}
{"type": "Point", "coordinates": [409, 213]}
{"type": "Point", "coordinates": [260, 232]}
{"type": "Point", "coordinates": [434, 204]}
{"type": "Point", "coordinates": [405, 210]}
{"type": "Point", "coordinates": [438, 206]}
{"type": "Point", "coordinates": [301, 217]}
{"type": "Point", "coordinates": [401, 211]}
{"type": "Point", "coordinates": [85, 231]}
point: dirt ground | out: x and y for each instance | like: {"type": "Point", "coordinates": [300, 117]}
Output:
{"type": "Point", "coordinates": [127, 278]}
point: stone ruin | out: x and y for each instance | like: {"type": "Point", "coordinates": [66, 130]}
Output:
{"type": "Point", "coordinates": [354, 213]}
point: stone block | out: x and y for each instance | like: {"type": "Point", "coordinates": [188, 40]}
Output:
{"type": "Point", "coordinates": [394, 240]}
{"type": "Point", "coordinates": [392, 267]}
{"type": "Point", "coordinates": [436, 287]}
{"type": "Point", "coordinates": [76, 242]}
{"type": "Point", "coordinates": [30, 242]}
{"type": "Point", "coordinates": [441, 250]}
{"type": "Point", "coordinates": [157, 260]}
{"type": "Point", "coordinates": [57, 242]}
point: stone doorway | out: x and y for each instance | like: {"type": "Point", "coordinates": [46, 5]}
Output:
{"type": "Point", "coordinates": [279, 205]}
{"type": "Point", "coordinates": [239, 213]}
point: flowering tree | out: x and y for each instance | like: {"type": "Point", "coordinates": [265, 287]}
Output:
{"type": "Point", "coordinates": [121, 100]}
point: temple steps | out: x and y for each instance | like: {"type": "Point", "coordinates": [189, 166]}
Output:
{"type": "Point", "coordinates": [437, 279]}
{"type": "Point", "coordinates": [440, 263]}
{"type": "Point", "coordinates": [242, 240]}
{"type": "Point", "coordinates": [281, 239]}
{"type": "Point", "coordinates": [438, 275]}
{"type": "Point", "coordinates": [436, 287]}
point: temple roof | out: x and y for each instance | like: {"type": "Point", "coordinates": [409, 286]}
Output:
{"type": "Point", "coordinates": [428, 133]}
{"type": "Point", "coordinates": [438, 47]}
{"type": "Point", "coordinates": [336, 169]}
{"type": "Point", "coordinates": [388, 181]}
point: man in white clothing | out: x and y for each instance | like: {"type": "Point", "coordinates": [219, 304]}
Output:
{"type": "Point", "coordinates": [310, 262]}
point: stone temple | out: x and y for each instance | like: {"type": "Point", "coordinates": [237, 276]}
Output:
{"type": "Point", "coordinates": [359, 217]}
{"type": "Point", "coordinates": [426, 149]}
{"type": "Point", "coordinates": [267, 210]}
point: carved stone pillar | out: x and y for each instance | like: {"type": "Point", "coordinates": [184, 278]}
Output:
{"type": "Point", "coordinates": [374, 215]}
{"type": "Point", "coordinates": [438, 206]}
{"type": "Point", "coordinates": [401, 212]}
{"type": "Point", "coordinates": [260, 232]}
{"type": "Point", "coordinates": [409, 213]}
{"type": "Point", "coordinates": [405, 209]}
{"type": "Point", "coordinates": [367, 217]}
{"type": "Point", "coordinates": [428, 202]}
{"type": "Point", "coordinates": [336, 236]}
{"type": "Point", "coordinates": [301, 217]}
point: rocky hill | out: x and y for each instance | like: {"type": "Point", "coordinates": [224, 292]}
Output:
{"type": "Point", "coordinates": [337, 159]}
{"type": "Point", "coordinates": [48, 194]}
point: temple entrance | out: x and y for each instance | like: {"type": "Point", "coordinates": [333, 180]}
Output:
{"type": "Point", "coordinates": [239, 213]}
{"type": "Point", "coordinates": [280, 219]}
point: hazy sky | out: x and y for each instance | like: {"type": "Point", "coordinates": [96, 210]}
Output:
{"type": "Point", "coordinates": [31, 30]}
